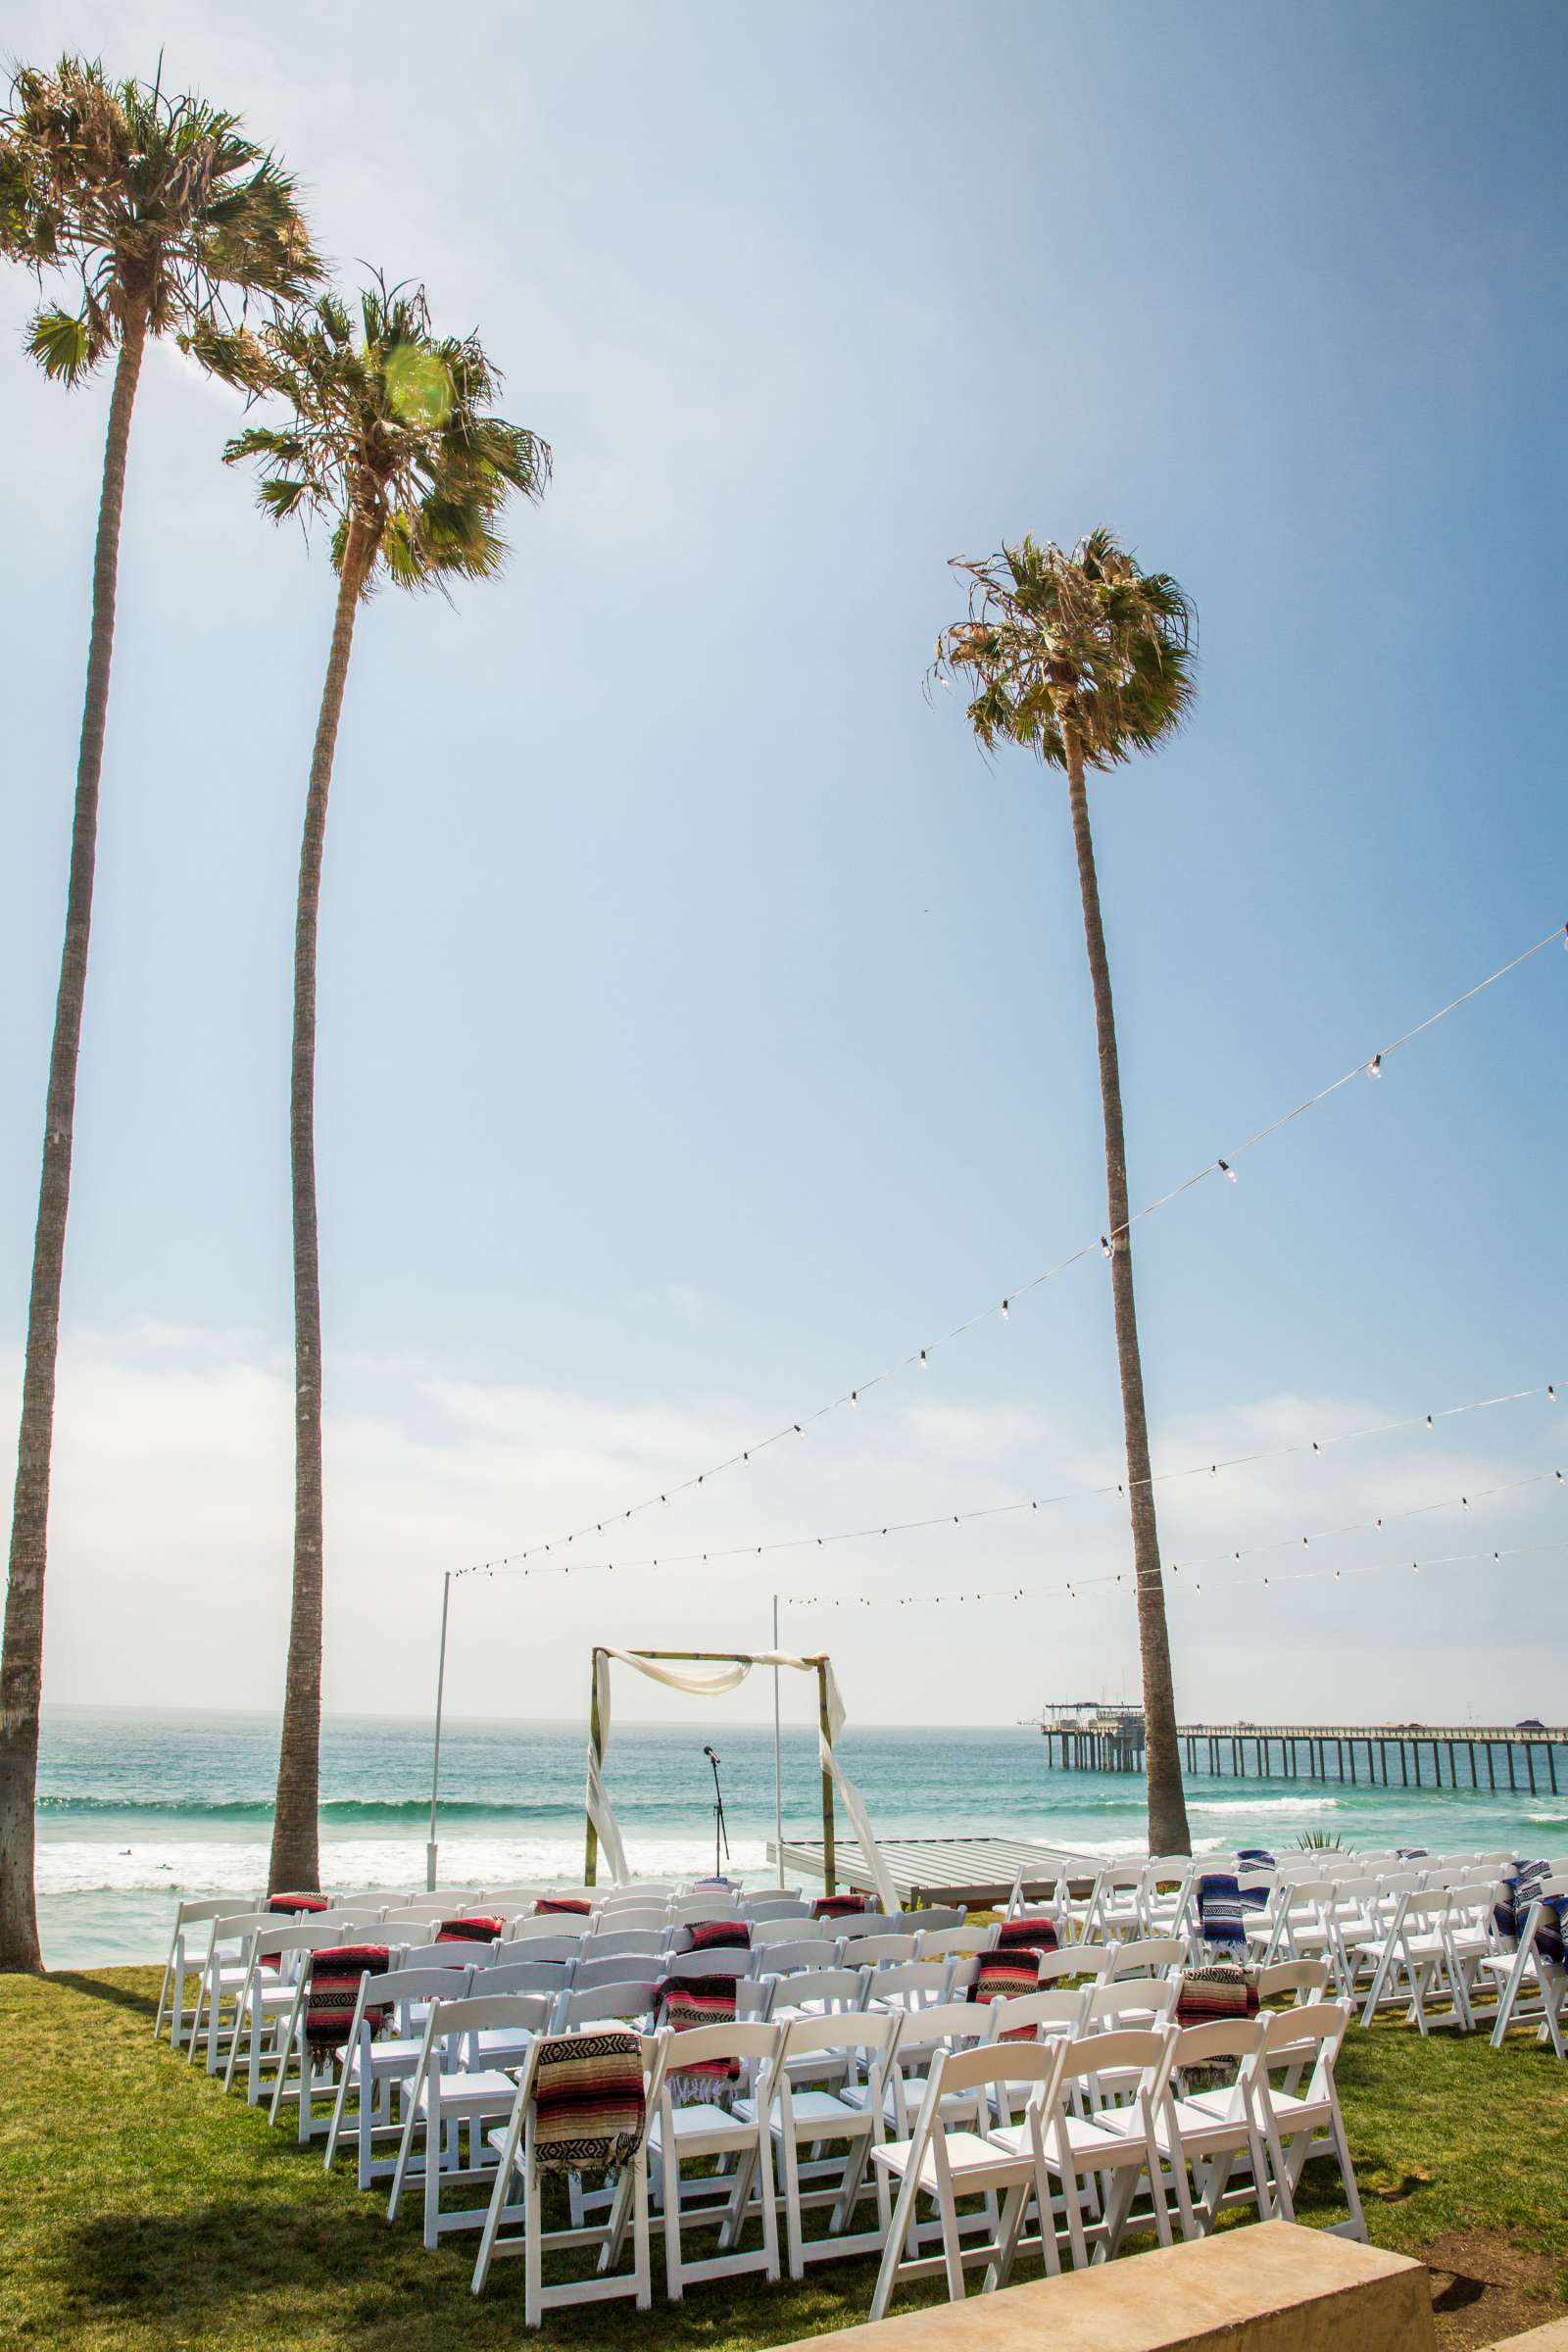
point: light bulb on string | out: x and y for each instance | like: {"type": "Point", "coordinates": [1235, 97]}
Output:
{"type": "Point", "coordinates": [1374, 1069]}
{"type": "Point", "coordinates": [1226, 1170]}
{"type": "Point", "coordinates": [1007, 1310]}
{"type": "Point", "coordinates": [922, 1359]}
{"type": "Point", "coordinates": [1104, 1246]}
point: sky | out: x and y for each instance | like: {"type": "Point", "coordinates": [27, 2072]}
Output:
{"type": "Point", "coordinates": [703, 1024]}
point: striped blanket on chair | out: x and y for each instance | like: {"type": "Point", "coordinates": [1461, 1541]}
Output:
{"type": "Point", "coordinates": [1027, 1935]}
{"type": "Point", "coordinates": [1222, 1989]}
{"type": "Point", "coordinates": [719, 1934]}
{"type": "Point", "coordinates": [470, 1931]}
{"type": "Point", "coordinates": [1521, 1886]}
{"type": "Point", "coordinates": [1222, 1910]}
{"type": "Point", "coordinates": [683, 2002]}
{"type": "Point", "coordinates": [1003, 1977]}
{"type": "Point", "coordinates": [333, 1988]}
{"type": "Point", "coordinates": [590, 2109]}
{"type": "Point", "coordinates": [837, 1907]}
{"type": "Point", "coordinates": [291, 1906]}
{"type": "Point", "coordinates": [561, 1902]}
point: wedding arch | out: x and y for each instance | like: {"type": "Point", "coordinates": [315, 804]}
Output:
{"type": "Point", "coordinates": [729, 1669]}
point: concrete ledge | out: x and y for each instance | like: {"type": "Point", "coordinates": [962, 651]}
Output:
{"type": "Point", "coordinates": [1553, 2337]}
{"type": "Point", "coordinates": [1271, 2288]}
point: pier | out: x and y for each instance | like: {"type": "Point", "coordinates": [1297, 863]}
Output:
{"type": "Point", "coordinates": [1487, 1757]}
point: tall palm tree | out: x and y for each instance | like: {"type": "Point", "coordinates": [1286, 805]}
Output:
{"type": "Point", "coordinates": [157, 207]}
{"type": "Point", "coordinates": [1084, 659]}
{"type": "Point", "coordinates": [389, 436]}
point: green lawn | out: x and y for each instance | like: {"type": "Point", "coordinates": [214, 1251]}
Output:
{"type": "Point", "coordinates": [141, 2208]}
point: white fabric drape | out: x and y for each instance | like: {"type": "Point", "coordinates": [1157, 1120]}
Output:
{"type": "Point", "coordinates": [706, 1681]}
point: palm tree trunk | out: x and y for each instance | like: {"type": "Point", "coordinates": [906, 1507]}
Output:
{"type": "Point", "coordinates": [21, 1666]}
{"type": "Point", "coordinates": [296, 1855]}
{"type": "Point", "coordinates": [1167, 1806]}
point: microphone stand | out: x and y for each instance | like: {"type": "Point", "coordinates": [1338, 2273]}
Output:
{"type": "Point", "coordinates": [720, 1832]}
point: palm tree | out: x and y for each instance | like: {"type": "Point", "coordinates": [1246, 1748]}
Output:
{"type": "Point", "coordinates": [389, 436]}
{"type": "Point", "coordinates": [155, 207]}
{"type": "Point", "coordinates": [1085, 659]}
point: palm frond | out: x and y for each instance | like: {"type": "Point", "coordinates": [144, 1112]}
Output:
{"type": "Point", "coordinates": [384, 429]}
{"type": "Point", "coordinates": [161, 207]}
{"type": "Point", "coordinates": [1071, 640]}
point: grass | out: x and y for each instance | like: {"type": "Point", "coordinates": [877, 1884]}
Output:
{"type": "Point", "coordinates": [141, 2209]}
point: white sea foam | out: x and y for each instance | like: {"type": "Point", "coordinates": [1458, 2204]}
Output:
{"type": "Point", "coordinates": [175, 1867]}
{"type": "Point", "coordinates": [1247, 1806]}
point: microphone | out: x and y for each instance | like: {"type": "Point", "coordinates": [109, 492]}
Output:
{"type": "Point", "coordinates": [709, 1753]}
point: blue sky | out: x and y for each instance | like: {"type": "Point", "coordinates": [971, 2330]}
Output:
{"type": "Point", "coordinates": [703, 1022]}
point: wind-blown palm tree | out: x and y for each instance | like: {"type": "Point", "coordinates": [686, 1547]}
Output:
{"type": "Point", "coordinates": [155, 207]}
{"type": "Point", "coordinates": [390, 437]}
{"type": "Point", "coordinates": [1084, 659]}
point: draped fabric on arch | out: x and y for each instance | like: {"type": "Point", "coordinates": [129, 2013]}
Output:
{"type": "Point", "coordinates": [712, 1682]}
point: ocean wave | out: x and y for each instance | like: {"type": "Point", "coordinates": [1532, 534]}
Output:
{"type": "Point", "coordinates": [334, 1809]}
{"type": "Point", "coordinates": [1243, 1803]}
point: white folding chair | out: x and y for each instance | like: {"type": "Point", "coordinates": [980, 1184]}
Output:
{"type": "Point", "coordinates": [548, 1927]}
{"type": "Point", "coordinates": [910, 1985]}
{"type": "Point", "coordinates": [516, 2151]}
{"type": "Point", "coordinates": [1415, 1962]}
{"type": "Point", "coordinates": [691, 2129]}
{"type": "Point", "coordinates": [862, 2047]}
{"type": "Point", "coordinates": [720, 1960]}
{"type": "Point", "coordinates": [629, 2002]}
{"type": "Point", "coordinates": [956, 1943]}
{"type": "Point", "coordinates": [758, 1907]}
{"type": "Point", "coordinates": [1527, 1972]}
{"type": "Point", "coordinates": [786, 1957]}
{"type": "Point", "coordinates": [1202, 2137]}
{"type": "Point", "coordinates": [620, 1943]}
{"type": "Point", "coordinates": [224, 1970]}
{"type": "Point", "coordinates": [307, 2066]}
{"type": "Point", "coordinates": [187, 1957]}
{"type": "Point", "coordinates": [1101, 2128]}
{"type": "Point", "coordinates": [787, 1929]}
{"type": "Point", "coordinates": [265, 2000]}
{"type": "Point", "coordinates": [439, 2103]}
{"type": "Point", "coordinates": [1306, 2125]}
{"type": "Point", "coordinates": [878, 1951]}
{"type": "Point", "coordinates": [943, 2164]}
{"type": "Point", "coordinates": [370, 2063]}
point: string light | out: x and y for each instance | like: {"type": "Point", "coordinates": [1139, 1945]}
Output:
{"type": "Point", "coordinates": [921, 1356]}
{"type": "Point", "coordinates": [1226, 1170]}
{"type": "Point", "coordinates": [999, 1510]}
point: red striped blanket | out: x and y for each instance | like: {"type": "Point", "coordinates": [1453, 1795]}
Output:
{"type": "Point", "coordinates": [548, 1903]}
{"type": "Point", "coordinates": [470, 1931]}
{"type": "Point", "coordinates": [1003, 1976]}
{"type": "Point", "coordinates": [682, 2002]}
{"type": "Point", "coordinates": [333, 1988]}
{"type": "Point", "coordinates": [835, 1907]}
{"type": "Point", "coordinates": [1218, 1991]}
{"type": "Point", "coordinates": [1027, 1935]}
{"type": "Point", "coordinates": [725, 1934]}
{"type": "Point", "coordinates": [590, 2110]}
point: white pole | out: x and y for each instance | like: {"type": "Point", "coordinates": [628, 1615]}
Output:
{"type": "Point", "coordinates": [435, 1761]}
{"type": "Point", "coordinates": [779, 1763]}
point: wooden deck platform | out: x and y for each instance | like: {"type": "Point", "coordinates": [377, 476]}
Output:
{"type": "Point", "coordinates": [977, 1871]}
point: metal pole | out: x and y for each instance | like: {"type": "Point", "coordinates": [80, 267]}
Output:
{"type": "Point", "coordinates": [829, 1858]}
{"type": "Point", "coordinates": [435, 1760]}
{"type": "Point", "coordinates": [778, 1762]}
{"type": "Point", "coordinates": [590, 1858]}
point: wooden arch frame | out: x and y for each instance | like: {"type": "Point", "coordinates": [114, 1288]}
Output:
{"type": "Point", "coordinates": [711, 1657]}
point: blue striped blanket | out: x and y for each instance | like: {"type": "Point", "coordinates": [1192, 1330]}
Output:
{"type": "Point", "coordinates": [1521, 1886]}
{"type": "Point", "coordinates": [1222, 1909]}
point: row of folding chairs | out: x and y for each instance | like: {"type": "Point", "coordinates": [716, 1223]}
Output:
{"type": "Point", "coordinates": [915, 2112]}
{"type": "Point", "coordinates": [244, 1959]}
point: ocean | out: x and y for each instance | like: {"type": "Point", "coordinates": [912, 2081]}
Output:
{"type": "Point", "coordinates": [138, 1807]}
